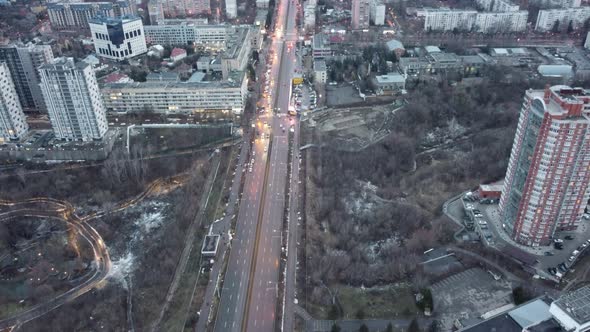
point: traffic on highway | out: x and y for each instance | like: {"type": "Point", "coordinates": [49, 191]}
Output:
{"type": "Point", "coordinates": [249, 297]}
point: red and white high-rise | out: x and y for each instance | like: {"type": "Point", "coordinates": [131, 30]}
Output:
{"type": "Point", "coordinates": [546, 184]}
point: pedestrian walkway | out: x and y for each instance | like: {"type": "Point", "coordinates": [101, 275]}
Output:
{"type": "Point", "coordinates": [493, 215]}
{"type": "Point", "coordinates": [301, 312]}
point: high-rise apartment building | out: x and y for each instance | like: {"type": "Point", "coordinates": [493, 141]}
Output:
{"type": "Point", "coordinates": [497, 5]}
{"type": "Point", "coordinates": [377, 12]}
{"type": "Point", "coordinates": [545, 4]}
{"type": "Point", "coordinates": [13, 124]}
{"type": "Point", "coordinates": [547, 19]}
{"type": "Point", "coordinates": [75, 15]}
{"type": "Point", "coordinates": [155, 11]}
{"type": "Point", "coordinates": [309, 15]}
{"type": "Point", "coordinates": [360, 14]}
{"type": "Point", "coordinates": [231, 8]}
{"type": "Point", "coordinates": [23, 61]}
{"type": "Point", "coordinates": [546, 184]}
{"type": "Point", "coordinates": [444, 19]}
{"type": "Point", "coordinates": [118, 38]}
{"type": "Point", "coordinates": [73, 100]}
{"type": "Point", "coordinates": [495, 22]}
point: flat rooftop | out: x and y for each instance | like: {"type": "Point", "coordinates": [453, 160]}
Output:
{"type": "Point", "coordinates": [234, 81]}
{"type": "Point", "coordinates": [576, 304]}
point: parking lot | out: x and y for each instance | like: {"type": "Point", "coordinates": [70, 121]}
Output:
{"type": "Point", "coordinates": [485, 220]}
{"type": "Point", "coordinates": [469, 294]}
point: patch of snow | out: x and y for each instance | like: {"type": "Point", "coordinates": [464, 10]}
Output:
{"type": "Point", "coordinates": [150, 221]}
{"type": "Point", "coordinates": [121, 268]}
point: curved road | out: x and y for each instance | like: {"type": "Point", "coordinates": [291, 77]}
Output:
{"type": "Point", "coordinates": [65, 212]}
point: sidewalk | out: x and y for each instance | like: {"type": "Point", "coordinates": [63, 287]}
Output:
{"type": "Point", "coordinates": [492, 213]}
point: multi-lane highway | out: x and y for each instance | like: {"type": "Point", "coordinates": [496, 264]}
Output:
{"type": "Point", "coordinates": [249, 296]}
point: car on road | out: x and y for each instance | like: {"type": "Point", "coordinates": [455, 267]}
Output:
{"type": "Point", "coordinates": [569, 237]}
{"type": "Point", "coordinates": [571, 259]}
{"type": "Point", "coordinates": [557, 241]}
{"type": "Point", "coordinates": [562, 267]}
{"type": "Point", "coordinates": [552, 270]}
{"type": "Point", "coordinates": [548, 253]}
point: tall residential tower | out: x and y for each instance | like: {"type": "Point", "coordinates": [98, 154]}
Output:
{"type": "Point", "coordinates": [12, 119]}
{"type": "Point", "coordinates": [23, 61]}
{"type": "Point", "coordinates": [360, 14]}
{"type": "Point", "coordinates": [73, 99]}
{"type": "Point", "coordinates": [546, 184]}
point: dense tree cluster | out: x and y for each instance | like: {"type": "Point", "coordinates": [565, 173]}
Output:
{"type": "Point", "coordinates": [385, 244]}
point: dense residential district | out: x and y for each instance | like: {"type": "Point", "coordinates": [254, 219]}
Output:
{"type": "Point", "coordinates": [295, 165]}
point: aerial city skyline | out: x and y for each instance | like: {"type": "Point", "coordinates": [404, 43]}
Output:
{"type": "Point", "coordinates": [295, 165]}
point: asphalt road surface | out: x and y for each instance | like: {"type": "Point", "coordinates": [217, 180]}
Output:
{"type": "Point", "coordinates": [250, 287]}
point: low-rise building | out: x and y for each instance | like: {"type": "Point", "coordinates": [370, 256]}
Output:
{"type": "Point", "coordinates": [118, 38]}
{"type": "Point", "coordinates": [167, 76]}
{"type": "Point", "coordinates": [389, 83]}
{"type": "Point", "coordinates": [396, 46]}
{"type": "Point", "coordinates": [572, 310]}
{"type": "Point", "coordinates": [178, 97]}
{"type": "Point", "coordinates": [549, 19]}
{"type": "Point", "coordinates": [207, 63]}
{"type": "Point", "coordinates": [177, 54]}
{"type": "Point", "coordinates": [321, 48]}
{"type": "Point", "coordinates": [237, 52]}
{"type": "Point", "coordinates": [320, 71]}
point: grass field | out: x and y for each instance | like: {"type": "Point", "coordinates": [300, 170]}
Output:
{"type": "Point", "coordinates": [389, 302]}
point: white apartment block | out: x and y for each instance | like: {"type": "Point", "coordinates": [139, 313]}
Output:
{"type": "Point", "coordinates": [231, 9]}
{"type": "Point", "coordinates": [69, 15]}
{"type": "Point", "coordinates": [262, 3]}
{"type": "Point", "coordinates": [377, 12]}
{"type": "Point", "coordinates": [493, 22]}
{"type": "Point", "coordinates": [156, 11]}
{"type": "Point", "coordinates": [447, 19]}
{"type": "Point", "coordinates": [320, 71]}
{"type": "Point", "coordinates": [309, 15]}
{"type": "Point", "coordinates": [498, 5]}
{"type": "Point", "coordinates": [187, 32]}
{"type": "Point", "coordinates": [237, 52]}
{"type": "Point", "coordinates": [546, 4]}
{"type": "Point", "coordinates": [183, 8]}
{"type": "Point", "coordinates": [177, 98]}
{"type": "Point", "coordinates": [73, 100]}
{"type": "Point", "coordinates": [547, 18]}
{"type": "Point", "coordinates": [13, 124]}
{"type": "Point", "coordinates": [118, 38]}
